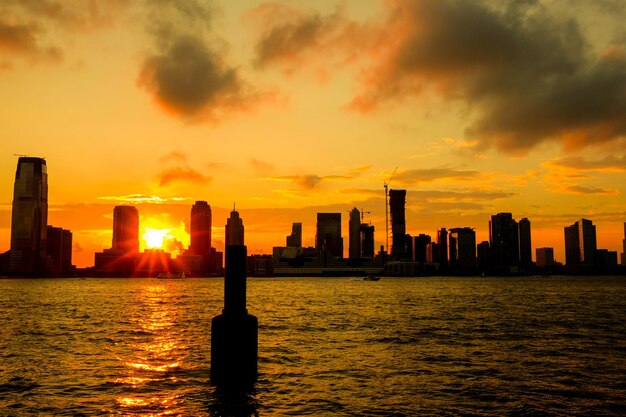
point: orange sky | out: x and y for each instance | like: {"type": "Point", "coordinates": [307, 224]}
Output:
{"type": "Point", "coordinates": [298, 107]}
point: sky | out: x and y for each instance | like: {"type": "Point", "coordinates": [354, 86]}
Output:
{"type": "Point", "coordinates": [286, 109]}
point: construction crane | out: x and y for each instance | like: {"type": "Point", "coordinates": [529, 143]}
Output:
{"type": "Point", "coordinates": [387, 209]}
{"type": "Point", "coordinates": [363, 212]}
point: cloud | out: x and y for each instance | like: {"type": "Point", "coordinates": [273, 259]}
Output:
{"type": "Point", "coordinates": [142, 198]}
{"type": "Point", "coordinates": [310, 181]}
{"type": "Point", "coordinates": [24, 39]}
{"type": "Point", "coordinates": [577, 189]}
{"type": "Point", "coordinates": [261, 166]}
{"type": "Point", "coordinates": [416, 176]}
{"type": "Point", "coordinates": [182, 174]}
{"type": "Point", "coordinates": [529, 76]}
{"type": "Point", "coordinates": [186, 73]}
{"type": "Point", "coordinates": [610, 163]}
{"type": "Point", "coordinates": [175, 156]}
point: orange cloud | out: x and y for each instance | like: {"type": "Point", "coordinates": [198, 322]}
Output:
{"type": "Point", "coordinates": [181, 174]}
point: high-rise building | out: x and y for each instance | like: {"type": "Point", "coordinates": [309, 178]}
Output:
{"type": "Point", "coordinates": [234, 230]}
{"type": "Point", "coordinates": [525, 244]}
{"type": "Point", "coordinates": [367, 240]}
{"type": "Point", "coordinates": [295, 238]}
{"type": "Point", "coordinates": [29, 217]}
{"type": "Point", "coordinates": [397, 201]}
{"type": "Point", "coordinates": [442, 243]}
{"type": "Point", "coordinates": [200, 233]}
{"type": "Point", "coordinates": [354, 234]}
{"type": "Point", "coordinates": [126, 230]}
{"type": "Point", "coordinates": [545, 257]}
{"type": "Point", "coordinates": [419, 247]}
{"type": "Point", "coordinates": [462, 248]}
{"type": "Point", "coordinates": [624, 247]}
{"type": "Point", "coordinates": [59, 250]}
{"type": "Point", "coordinates": [580, 243]}
{"type": "Point", "coordinates": [482, 255]}
{"type": "Point", "coordinates": [328, 234]}
{"type": "Point", "coordinates": [432, 252]}
{"type": "Point", "coordinates": [503, 240]}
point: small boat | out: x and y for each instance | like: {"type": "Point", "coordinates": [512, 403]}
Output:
{"type": "Point", "coordinates": [371, 278]}
{"type": "Point", "coordinates": [171, 275]}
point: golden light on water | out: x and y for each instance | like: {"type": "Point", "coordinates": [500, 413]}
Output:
{"type": "Point", "coordinates": [155, 353]}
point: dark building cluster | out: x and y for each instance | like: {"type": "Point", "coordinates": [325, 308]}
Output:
{"type": "Point", "coordinates": [123, 259]}
{"type": "Point", "coordinates": [37, 249]}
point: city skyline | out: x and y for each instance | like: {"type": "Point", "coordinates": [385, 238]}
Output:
{"type": "Point", "coordinates": [292, 110]}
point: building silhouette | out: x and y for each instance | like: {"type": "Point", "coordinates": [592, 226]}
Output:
{"type": "Point", "coordinates": [354, 234]}
{"type": "Point", "coordinates": [295, 238]}
{"type": "Point", "coordinates": [234, 229]}
{"type": "Point", "coordinates": [367, 240]}
{"type": "Point", "coordinates": [462, 249]}
{"type": "Point", "coordinates": [125, 230]}
{"type": "Point", "coordinates": [442, 244]}
{"type": "Point", "coordinates": [200, 234]}
{"type": "Point", "coordinates": [29, 219]}
{"type": "Point", "coordinates": [397, 201]}
{"type": "Point", "coordinates": [59, 251]}
{"type": "Point", "coordinates": [482, 256]}
{"type": "Point", "coordinates": [525, 244]}
{"type": "Point", "coordinates": [580, 243]}
{"type": "Point", "coordinates": [624, 247]}
{"type": "Point", "coordinates": [544, 257]}
{"type": "Point", "coordinates": [419, 247]}
{"type": "Point", "coordinates": [328, 234]}
{"type": "Point", "coordinates": [504, 242]}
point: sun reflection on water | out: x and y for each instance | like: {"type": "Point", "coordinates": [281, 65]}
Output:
{"type": "Point", "coordinates": [154, 353]}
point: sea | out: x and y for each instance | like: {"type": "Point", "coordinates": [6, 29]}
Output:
{"type": "Point", "coordinates": [435, 346]}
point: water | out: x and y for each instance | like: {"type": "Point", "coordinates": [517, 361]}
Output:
{"type": "Point", "coordinates": [334, 346]}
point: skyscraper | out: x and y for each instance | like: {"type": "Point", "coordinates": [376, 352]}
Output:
{"type": "Point", "coordinates": [397, 201]}
{"type": "Point", "coordinates": [59, 250]}
{"type": "Point", "coordinates": [525, 244]}
{"type": "Point", "coordinates": [462, 250]}
{"type": "Point", "coordinates": [367, 240]}
{"type": "Point", "coordinates": [580, 243]}
{"type": "Point", "coordinates": [200, 233]}
{"type": "Point", "coordinates": [234, 229]}
{"type": "Point", "coordinates": [354, 230]}
{"type": "Point", "coordinates": [328, 234]}
{"type": "Point", "coordinates": [125, 230]}
{"type": "Point", "coordinates": [442, 244]}
{"type": "Point", "coordinates": [419, 247]}
{"type": "Point", "coordinates": [624, 247]}
{"type": "Point", "coordinates": [503, 240]}
{"type": "Point", "coordinates": [29, 217]}
{"type": "Point", "coordinates": [295, 238]}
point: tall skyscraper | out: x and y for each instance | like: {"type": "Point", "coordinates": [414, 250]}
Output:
{"type": "Point", "coordinates": [503, 240]}
{"type": "Point", "coordinates": [442, 244]}
{"type": "Point", "coordinates": [367, 240]}
{"type": "Point", "coordinates": [295, 238]}
{"type": "Point", "coordinates": [354, 230]}
{"type": "Point", "coordinates": [419, 247]}
{"type": "Point", "coordinates": [234, 229]}
{"type": "Point", "coordinates": [580, 243]}
{"type": "Point", "coordinates": [126, 230]}
{"type": "Point", "coordinates": [328, 234]}
{"type": "Point", "coordinates": [200, 233]}
{"type": "Point", "coordinates": [462, 248]}
{"type": "Point", "coordinates": [397, 201]}
{"type": "Point", "coordinates": [59, 250]}
{"type": "Point", "coordinates": [525, 244]}
{"type": "Point", "coordinates": [29, 219]}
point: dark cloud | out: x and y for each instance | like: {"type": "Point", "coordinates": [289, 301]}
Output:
{"type": "Point", "coordinates": [24, 39]}
{"type": "Point", "coordinates": [182, 174]}
{"type": "Point", "coordinates": [416, 176]}
{"type": "Point", "coordinates": [186, 73]}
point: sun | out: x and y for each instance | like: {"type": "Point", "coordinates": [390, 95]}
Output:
{"type": "Point", "coordinates": [154, 237]}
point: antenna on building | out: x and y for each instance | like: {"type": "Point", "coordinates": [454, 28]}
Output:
{"type": "Point", "coordinates": [386, 185]}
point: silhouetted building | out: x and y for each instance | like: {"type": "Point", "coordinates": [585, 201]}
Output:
{"type": "Point", "coordinates": [397, 201]}
{"type": "Point", "coordinates": [525, 244]}
{"type": "Point", "coordinates": [200, 234]}
{"type": "Point", "coordinates": [126, 230]}
{"type": "Point", "coordinates": [367, 240]}
{"type": "Point", "coordinates": [234, 229]}
{"type": "Point", "coordinates": [442, 243]}
{"type": "Point", "coordinates": [432, 252]}
{"type": "Point", "coordinates": [419, 247]}
{"type": "Point", "coordinates": [462, 249]}
{"type": "Point", "coordinates": [59, 250]}
{"type": "Point", "coordinates": [29, 217]}
{"type": "Point", "coordinates": [580, 243]}
{"type": "Point", "coordinates": [295, 238]}
{"type": "Point", "coordinates": [545, 257]}
{"type": "Point", "coordinates": [606, 261]}
{"type": "Point", "coordinates": [503, 241]}
{"type": "Point", "coordinates": [328, 234]}
{"type": "Point", "coordinates": [482, 256]}
{"type": "Point", "coordinates": [624, 247]}
{"type": "Point", "coordinates": [354, 234]}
